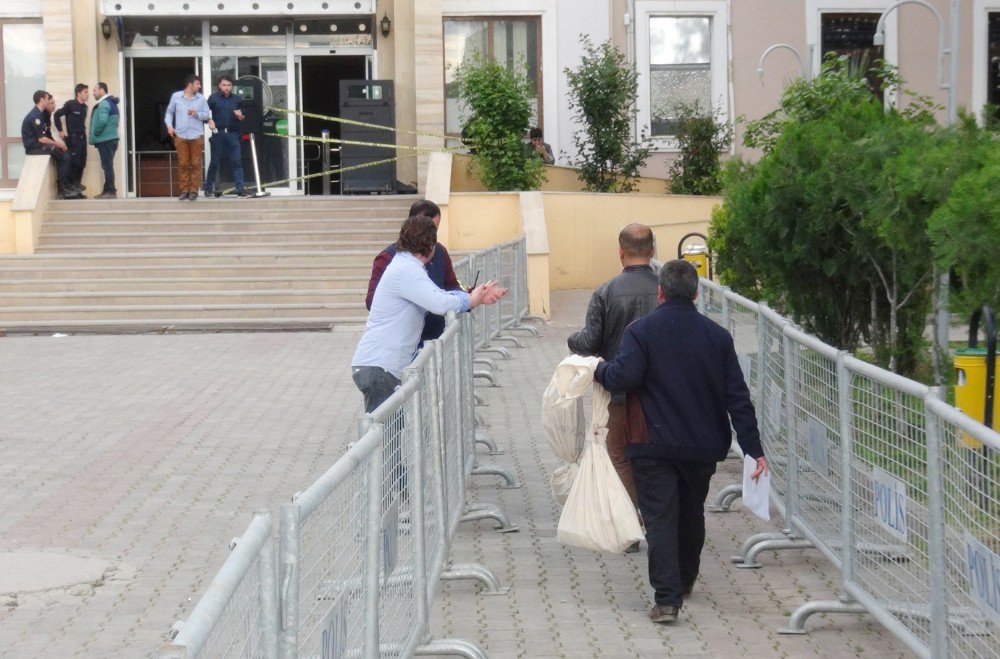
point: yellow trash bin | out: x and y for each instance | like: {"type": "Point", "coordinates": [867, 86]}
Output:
{"type": "Point", "coordinates": [697, 255]}
{"type": "Point", "coordinates": [970, 386]}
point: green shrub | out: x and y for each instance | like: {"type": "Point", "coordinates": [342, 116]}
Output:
{"type": "Point", "coordinates": [701, 136]}
{"type": "Point", "coordinates": [602, 93]}
{"type": "Point", "coordinates": [500, 111]}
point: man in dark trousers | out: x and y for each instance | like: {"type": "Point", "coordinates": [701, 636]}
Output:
{"type": "Point", "coordinates": [614, 305]}
{"type": "Point", "coordinates": [439, 269]}
{"type": "Point", "coordinates": [685, 369]}
{"type": "Point", "coordinates": [36, 136]}
{"type": "Point", "coordinates": [104, 136]}
{"type": "Point", "coordinates": [225, 125]}
{"type": "Point", "coordinates": [74, 131]}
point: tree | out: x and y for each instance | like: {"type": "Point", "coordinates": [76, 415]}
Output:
{"type": "Point", "coordinates": [700, 137]}
{"type": "Point", "coordinates": [500, 111]}
{"type": "Point", "coordinates": [602, 95]}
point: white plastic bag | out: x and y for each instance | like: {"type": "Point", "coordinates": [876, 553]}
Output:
{"type": "Point", "coordinates": [598, 514]}
{"type": "Point", "coordinates": [563, 419]}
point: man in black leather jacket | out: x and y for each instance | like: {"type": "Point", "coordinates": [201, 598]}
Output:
{"type": "Point", "coordinates": [615, 304]}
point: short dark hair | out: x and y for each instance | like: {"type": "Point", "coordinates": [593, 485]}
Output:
{"type": "Point", "coordinates": [103, 86]}
{"type": "Point", "coordinates": [535, 132]}
{"type": "Point", "coordinates": [418, 235]}
{"type": "Point", "coordinates": [636, 240]}
{"type": "Point", "coordinates": [191, 77]}
{"type": "Point", "coordinates": [39, 95]}
{"type": "Point", "coordinates": [225, 77]}
{"type": "Point", "coordinates": [425, 207]}
{"type": "Point", "coordinates": [79, 88]}
{"type": "Point", "coordinates": [678, 279]}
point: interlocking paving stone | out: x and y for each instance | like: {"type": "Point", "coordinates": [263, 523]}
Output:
{"type": "Point", "coordinates": [151, 452]}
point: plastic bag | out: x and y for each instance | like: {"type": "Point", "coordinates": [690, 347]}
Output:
{"type": "Point", "coordinates": [598, 514]}
{"type": "Point", "coordinates": [563, 419]}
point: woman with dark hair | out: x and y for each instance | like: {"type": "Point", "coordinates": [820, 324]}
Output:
{"type": "Point", "coordinates": [404, 295]}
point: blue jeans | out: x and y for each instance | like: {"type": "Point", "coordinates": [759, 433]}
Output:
{"type": "Point", "coordinates": [225, 147]}
{"type": "Point", "coordinates": [107, 152]}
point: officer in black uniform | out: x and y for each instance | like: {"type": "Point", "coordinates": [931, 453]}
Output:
{"type": "Point", "coordinates": [36, 136]}
{"type": "Point", "coordinates": [75, 131]}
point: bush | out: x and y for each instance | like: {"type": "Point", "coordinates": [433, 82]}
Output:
{"type": "Point", "coordinates": [602, 95]}
{"type": "Point", "coordinates": [700, 136]}
{"type": "Point", "coordinates": [500, 107]}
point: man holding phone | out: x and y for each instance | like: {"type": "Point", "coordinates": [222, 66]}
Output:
{"type": "Point", "coordinates": [226, 133]}
{"type": "Point", "coordinates": [186, 116]}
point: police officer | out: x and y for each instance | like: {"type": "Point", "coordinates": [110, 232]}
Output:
{"type": "Point", "coordinates": [225, 140]}
{"type": "Point", "coordinates": [74, 131]}
{"type": "Point", "coordinates": [36, 135]}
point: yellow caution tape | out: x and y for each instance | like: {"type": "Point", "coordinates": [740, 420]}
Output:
{"type": "Point", "coordinates": [333, 140]}
{"type": "Point", "coordinates": [336, 170]}
{"type": "Point", "coordinates": [364, 124]}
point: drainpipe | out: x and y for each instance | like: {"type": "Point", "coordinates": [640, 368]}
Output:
{"type": "Point", "coordinates": [630, 53]}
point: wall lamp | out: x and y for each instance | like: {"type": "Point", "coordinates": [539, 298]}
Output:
{"type": "Point", "coordinates": [386, 25]}
{"type": "Point", "coordinates": [106, 28]}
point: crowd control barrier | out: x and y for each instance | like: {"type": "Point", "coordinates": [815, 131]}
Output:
{"type": "Point", "coordinates": [362, 550]}
{"type": "Point", "coordinates": [900, 491]}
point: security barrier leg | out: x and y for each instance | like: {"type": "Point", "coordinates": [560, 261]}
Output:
{"type": "Point", "coordinates": [797, 621]}
{"type": "Point", "coordinates": [486, 375]}
{"type": "Point", "coordinates": [491, 446]}
{"type": "Point", "coordinates": [496, 470]}
{"type": "Point", "coordinates": [503, 352]}
{"type": "Point", "coordinates": [477, 572]}
{"type": "Point", "coordinates": [725, 498]}
{"type": "Point", "coordinates": [488, 363]}
{"type": "Point", "coordinates": [478, 511]}
{"type": "Point", "coordinates": [786, 543]}
{"type": "Point", "coordinates": [453, 647]}
{"type": "Point", "coordinates": [758, 538]}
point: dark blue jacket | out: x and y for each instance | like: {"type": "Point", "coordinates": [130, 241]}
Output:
{"type": "Point", "coordinates": [222, 108]}
{"type": "Point", "coordinates": [689, 380]}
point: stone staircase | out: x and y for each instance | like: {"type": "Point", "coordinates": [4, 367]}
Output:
{"type": "Point", "coordinates": [144, 265]}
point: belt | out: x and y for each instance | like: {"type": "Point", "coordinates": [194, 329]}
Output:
{"type": "Point", "coordinates": [227, 130]}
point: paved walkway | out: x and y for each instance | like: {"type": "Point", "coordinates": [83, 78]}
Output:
{"type": "Point", "coordinates": [144, 455]}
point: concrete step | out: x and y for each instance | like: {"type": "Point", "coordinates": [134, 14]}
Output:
{"type": "Point", "coordinates": [168, 312]}
{"type": "Point", "coordinates": [389, 229]}
{"type": "Point", "coordinates": [34, 300]}
{"type": "Point", "coordinates": [85, 241]}
{"type": "Point", "coordinates": [333, 258]}
{"type": "Point", "coordinates": [156, 273]}
{"type": "Point", "coordinates": [179, 325]}
{"type": "Point", "coordinates": [368, 247]}
{"type": "Point", "coordinates": [358, 282]}
{"type": "Point", "coordinates": [394, 204]}
{"type": "Point", "coordinates": [207, 212]}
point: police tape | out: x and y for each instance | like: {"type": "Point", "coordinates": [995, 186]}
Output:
{"type": "Point", "coordinates": [364, 124]}
{"type": "Point", "coordinates": [334, 140]}
{"type": "Point", "coordinates": [336, 170]}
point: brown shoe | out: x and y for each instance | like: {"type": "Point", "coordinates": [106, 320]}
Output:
{"type": "Point", "coordinates": [106, 195]}
{"type": "Point", "coordinates": [663, 613]}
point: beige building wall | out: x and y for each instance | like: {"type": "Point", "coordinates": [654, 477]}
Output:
{"type": "Point", "coordinates": [428, 71]}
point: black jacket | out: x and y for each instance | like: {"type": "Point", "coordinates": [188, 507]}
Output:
{"type": "Point", "coordinates": [76, 117]}
{"type": "Point", "coordinates": [689, 380]}
{"type": "Point", "coordinates": [616, 303]}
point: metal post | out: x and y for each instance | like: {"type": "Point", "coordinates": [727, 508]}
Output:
{"type": "Point", "coordinates": [325, 134]}
{"type": "Point", "coordinates": [268, 595]}
{"type": "Point", "coordinates": [725, 312]}
{"type": "Point", "coordinates": [936, 550]}
{"type": "Point", "coordinates": [792, 457]}
{"type": "Point", "coordinates": [256, 169]}
{"type": "Point", "coordinates": [417, 498]}
{"type": "Point", "coordinates": [373, 552]}
{"type": "Point", "coordinates": [288, 596]}
{"type": "Point", "coordinates": [846, 468]}
{"type": "Point", "coordinates": [761, 357]}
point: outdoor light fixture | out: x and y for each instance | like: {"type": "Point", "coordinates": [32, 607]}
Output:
{"type": "Point", "coordinates": [386, 25]}
{"type": "Point", "coordinates": [106, 28]}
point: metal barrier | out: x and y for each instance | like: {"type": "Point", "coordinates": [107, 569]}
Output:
{"type": "Point", "coordinates": [900, 491]}
{"type": "Point", "coordinates": [363, 548]}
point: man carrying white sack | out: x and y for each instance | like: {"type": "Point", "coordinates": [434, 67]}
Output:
{"type": "Point", "coordinates": [615, 304]}
{"type": "Point", "coordinates": [685, 369]}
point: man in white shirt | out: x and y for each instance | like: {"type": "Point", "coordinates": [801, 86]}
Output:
{"type": "Point", "coordinates": [404, 295]}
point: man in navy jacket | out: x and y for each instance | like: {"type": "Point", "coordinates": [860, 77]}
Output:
{"type": "Point", "coordinates": [685, 369]}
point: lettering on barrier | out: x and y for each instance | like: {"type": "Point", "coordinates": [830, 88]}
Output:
{"type": "Point", "coordinates": [983, 574]}
{"type": "Point", "coordinates": [889, 502]}
{"type": "Point", "coordinates": [390, 541]}
{"type": "Point", "coordinates": [334, 638]}
{"type": "Point", "coordinates": [817, 450]}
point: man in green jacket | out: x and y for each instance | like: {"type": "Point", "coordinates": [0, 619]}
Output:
{"type": "Point", "coordinates": [104, 136]}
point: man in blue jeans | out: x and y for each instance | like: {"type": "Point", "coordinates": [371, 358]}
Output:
{"type": "Point", "coordinates": [225, 141]}
{"type": "Point", "coordinates": [104, 136]}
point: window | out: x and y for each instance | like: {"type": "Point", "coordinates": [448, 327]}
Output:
{"type": "Point", "coordinates": [22, 51]}
{"type": "Point", "coordinates": [683, 57]}
{"type": "Point", "coordinates": [852, 34]}
{"type": "Point", "coordinates": [993, 60]}
{"type": "Point", "coordinates": [680, 67]}
{"type": "Point", "coordinates": [514, 41]}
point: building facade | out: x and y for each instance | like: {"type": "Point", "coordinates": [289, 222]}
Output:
{"type": "Point", "coordinates": [684, 50]}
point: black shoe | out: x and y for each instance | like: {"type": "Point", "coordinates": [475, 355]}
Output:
{"type": "Point", "coordinates": [664, 613]}
{"type": "Point", "coordinates": [632, 548]}
{"type": "Point", "coordinates": [183, 197]}
{"type": "Point", "coordinates": [192, 196]}
{"type": "Point", "coordinates": [244, 194]}
{"type": "Point", "coordinates": [686, 593]}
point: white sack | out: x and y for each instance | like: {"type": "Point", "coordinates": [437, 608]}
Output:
{"type": "Point", "coordinates": [598, 514]}
{"type": "Point", "coordinates": [563, 419]}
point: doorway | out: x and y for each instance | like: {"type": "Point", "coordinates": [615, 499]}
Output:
{"type": "Point", "coordinates": [151, 82]}
{"type": "Point", "coordinates": [319, 85]}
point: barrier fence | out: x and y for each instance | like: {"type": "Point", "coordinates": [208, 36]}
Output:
{"type": "Point", "coordinates": [362, 550]}
{"type": "Point", "coordinates": [900, 491]}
